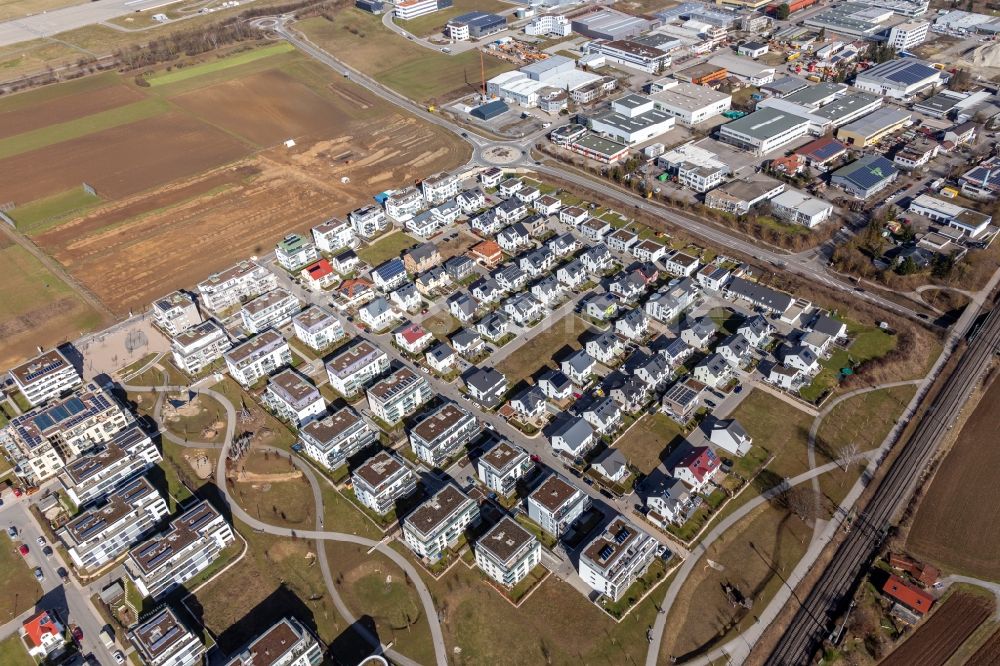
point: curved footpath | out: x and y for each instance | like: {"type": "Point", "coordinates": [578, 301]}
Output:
{"type": "Point", "coordinates": [318, 534]}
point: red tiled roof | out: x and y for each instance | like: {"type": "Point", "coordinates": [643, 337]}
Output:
{"type": "Point", "coordinates": [487, 249]}
{"type": "Point", "coordinates": [354, 286]}
{"type": "Point", "coordinates": [413, 333]}
{"type": "Point", "coordinates": [319, 269]}
{"type": "Point", "coordinates": [819, 150]}
{"type": "Point", "coordinates": [700, 461]}
{"type": "Point", "coordinates": [910, 596]}
{"type": "Point", "coordinates": [40, 625]}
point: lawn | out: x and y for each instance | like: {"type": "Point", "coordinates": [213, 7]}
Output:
{"type": "Point", "coordinates": [433, 24]}
{"type": "Point", "coordinates": [219, 64]}
{"type": "Point", "coordinates": [20, 590]}
{"type": "Point", "coordinates": [270, 496]}
{"type": "Point", "coordinates": [42, 214]}
{"type": "Point", "coordinates": [541, 349]}
{"type": "Point", "coordinates": [646, 443]}
{"type": "Point", "coordinates": [387, 247]}
{"type": "Point", "coordinates": [13, 652]}
{"type": "Point", "coordinates": [867, 343]}
{"type": "Point", "coordinates": [419, 73]}
{"type": "Point", "coordinates": [779, 429]}
{"type": "Point", "coordinates": [863, 420]}
{"type": "Point", "coordinates": [654, 574]}
{"type": "Point", "coordinates": [174, 477]}
{"type": "Point", "coordinates": [441, 325]}
{"type": "Point", "coordinates": [205, 422]}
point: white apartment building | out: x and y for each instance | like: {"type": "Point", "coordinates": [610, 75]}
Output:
{"type": "Point", "coordinates": [763, 131]}
{"type": "Point", "coordinates": [381, 481]}
{"type": "Point", "coordinates": [102, 533]}
{"type": "Point", "coordinates": [507, 552]}
{"type": "Point", "coordinates": [441, 187]}
{"type": "Point", "coordinates": [161, 639]}
{"type": "Point", "coordinates": [258, 357]}
{"type": "Point", "coordinates": [317, 327]}
{"type": "Point", "coordinates": [286, 643]}
{"type": "Point", "coordinates": [333, 235]}
{"type": "Point", "coordinates": [200, 346]}
{"type": "Point", "coordinates": [272, 310]}
{"type": "Point", "coordinates": [354, 367]}
{"type": "Point", "coordinates": [46, 376]}
{"type": "Point", "coordinates": [175, 312]}
{"type": "Point", "coordinates": [439, 522]}
{"type": "Point", "coordinates": [398, 395]}
{"type": "Point", "coordinates": [333, 439]}
{"type": "Point", "coordinates": [404, 204]}
{"type": "Point", "coordinates": [295, 251]}
{"type": "Point", "coordinates": [615, 559]}
{"type": "Point", "coordinates": [40, 442]}
{"type": "Point", "coordinates": [191, 543]}
{"type": "Point", "coordinates": [549, 25]}
{"type": "Point", "coordinates": [691, 104]}
{"type": "Point", "coordinates": [293, 398]}
{"type": "Point", "coordinates": [555, 504]}
{"type": "Point", "coordinates": [439, 436]}
{"type": "Point", "coordinates": [92, 477]}
{"type": "Point", "coordinates": [908, 35]}
{"type": "Point", "coordinates": [232, 286]}
{"type": "Point", "coordinates": [368, 221]}
{"type": "Point", "coordinates": [501, 467]}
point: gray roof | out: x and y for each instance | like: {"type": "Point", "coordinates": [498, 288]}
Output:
{"type": "Point", "coordinates": [765, 123]}
{"type": "Point", "coordinates": [813, 95]}
{"type": "Point", "coordinates": [761, 295]}
{"type": "Point", "coordinates": [574, 430]}
{"type": "Point", "coordinates": [785, 85]}
{"type": "Point", "coordinates": [876, 121]}
{"type": "Point", "coordinates": [611, 461]}
{"type": "Point", "coordinates": [580, 361]}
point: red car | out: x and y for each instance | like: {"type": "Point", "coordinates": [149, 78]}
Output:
{"type": "Point", "coordinates": [18, 492]}
{"type": "Point", "coordinates": [23, 549]}
{"type": "Point", "coordinates": [77, 634]}
{"type": "Point", "coordinates": [535, 458]}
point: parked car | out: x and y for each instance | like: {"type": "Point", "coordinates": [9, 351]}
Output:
{"type": "Point", "coordinates": [23, 549]}
{"type": "Point", "coordinates": [39, 574]}
{"type": "Point", "coordinates": [119, 657]}
{"type": "Point", "coordinates": [12, 532]}
{"type": "Point", "coordinates": [63, 574]}
{"type": "Point", "coordinates": [41, 541]}
{"type": "Point", "coordinates": [47, 551]}
{"type": "Point", "coordinates": [77, 633]}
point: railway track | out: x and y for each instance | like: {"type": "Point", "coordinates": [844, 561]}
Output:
{"type": "Point", "coordinates": [830, 594]}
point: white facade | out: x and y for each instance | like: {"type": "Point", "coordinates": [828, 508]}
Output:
{"type": "Point", "coordinates": [317, 327]}
{"type": "Point", "coordinates": [368, 221]}
{"type": "Point", "coordinates": [46, 376]}
{"type": "Point", "coordinates": [691, 104]}
{"type": "Point", "coordinates": [907, 35]}
{"type": "Point", "coordinates": [258, 357]}
{"type": "Point", "coordinates": [439, 522]}
{"type": "Point", "coordinates": [333, 439]}
{"type": "Point", "coordinates": [352, 368]}
{"type": "Point", "coordinates": [200, 346]}
{"type": "Point", "coordinates": [243, 281]}
{"type": "Point", "coordinates": [614, 560]}
{"type": "Point", "coordinates": [381, 481]}
{"type": "Point", "coordinates": [798, 208]}
{"type": "Point", "coordinates": [551, 25]}
{"type": "Point", "coordinates": [272, 310]}
{"type": "Point", "coordinates": [333, 235]}
{"type": "Point", "coordinates": [404, 204]}
{"type": "Point", "coordinates": [293, 398]}
{"type": "Point", "coordinates": [411, 9]}
{"type": "Point", "coordinates": [161, 640]}
{"type": "Point", "coordinates": [555, 504]}
{"type": "Point", "coordinates": [175, 312]}
{"type": "Point", "coordinates": [500, 468]}
{"type": "Point", "coordinates": [440, 435]}
{"type": "Point", "coordinates": [398, 395]}
{"type": "Point", "coordinates": [92, 477]}
{"type": "Point", "coordinates": [507, 552]}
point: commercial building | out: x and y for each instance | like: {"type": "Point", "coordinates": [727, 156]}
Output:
{"type": "Point", "coordinates": [970, 222]}
{"type": "Point", "coordinates": [398, 395]}
{"type": "Point", "coordinates": [411, 9]}
{"type": "Point", "coordinates": [40, 442]}
{"type": "Point", "coordinates": [100, 534]}
{"type": "Point", "coordinates": [752, 49]}
{"type": "Point", "coordinates": [866, 176]}
{"type": "Point", "coordinates": [764, 130]}
{"type": "Point", "coordinates": [474, 25]}
{"type": "Point", "coordinates": [243, 281]}
{"type": "Point", "coordinates": [695, 167]}
{"type": "Point", "coordinates": [632, 119]}
{"type": "Point", "coordinates": [161, 639]}
{"type": "Point", "coordinates": [381, 481]}
{"type": "Point", "coordinates": [200, 346]}
{"type": "Point", "coordinates": [702, 74]}
{"type": "Point", "coordinates": [439, 522]}
{"type": "Point", "coordinates": [874, 127]}
{"type": "Point", "coordinates": [899, 79]}
{"type": "Point", "coordinates": [191, 543]}
{"type": "Point", "coordinates": [691, 104]}
{"type": "Point", "coordinates": [851, 19]}
{"type": "Point", "coordinates": [630, 53]}
{"type": "Point", "coordinates": [354, 367]}
{"type": "Point", "coordinates": [616, 558]}
{"type": "Point", "coordinates": [441, 435]}
{"type": "Point", "coordinates": [549, 25]}
{"type": "Point", "coordinates": [317, 327]}
{"type": "Point", "coordinates": [501, 467]}
{"type": "Point", "coordinates": [610, 24]}
{"type": "Point", "coordinates": [46, 376]}
{"type": "Point", "coordinates": [91, 477]}
{"type": "Point", "coordinates": [982, 182]}
{"type": "Point", "coordinates": [175, 312]}
{"type": "Point", "coordinates": [333, 439]}
{"type": "Point", "coordinates": [798, 208]}
{"type": "Point", "coordinates": [534, 82]}
{"type": "Point", "coordinates": [744, 68]}
{"type": "Point", "coordinates": [908, 35]}
{"type": "Point", "coordinates": [599, 149]}
{"type": "Point", "coordinates": [555, 504]}
{"type": "Point", "coordinates": [507, 552]}
{"type": "Point", "coordinates": [272, 310]}
{"type": "Point", "coordinates": [285, 643]}
{"type": "Point", "coordinates": [739, 196]}
{"type": "Point", "coordinates": [293, 398]}
{"type": "Point", "coordinates": [258, 357]}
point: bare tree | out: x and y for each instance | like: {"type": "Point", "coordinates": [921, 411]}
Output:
{"type": "Point", "coordinates": [849, 454]}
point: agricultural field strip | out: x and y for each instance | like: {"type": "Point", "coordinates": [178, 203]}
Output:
{"type": "Point", "coordinates": [218, 65]}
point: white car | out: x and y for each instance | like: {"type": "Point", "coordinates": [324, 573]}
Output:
{"type": "Point", "coordinates": [119, 657]}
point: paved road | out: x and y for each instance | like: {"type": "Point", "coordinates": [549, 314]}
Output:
{"type": "Point", "coordinates": [51, 23]}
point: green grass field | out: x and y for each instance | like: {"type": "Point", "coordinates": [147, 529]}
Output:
{"type": "Point", "coordinates": [646, 441]}
{"type": "Point", "coordinates": [868, 343]}
{"type": "Point", "coordinates": [387, 247]}
{"type": "Point", "coordinates": [20, 590]}
{"type": "Point", "coordinates": [12, 652]}
{"type": "Point", "coordinates": [220, 64]}
{"type": "Point", "coordinates": [42, 214]}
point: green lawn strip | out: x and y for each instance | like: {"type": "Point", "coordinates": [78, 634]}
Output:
{"type": "Point", "coordinates": [218, 65]}
{"type": "Point", "coordinates": [13, 652]}
{"type": "Point", "coordinates": [653, 575]}
{"type": "Point", "coordinates": [20, 589]}
{"type": "Point", "coordinates": [43, 214]}
{"type": "Point", "coordinates": [80, 127]}
{"type": "Point", "coordinates": [864, 420]}
{"type": "Point", "coordinates": [387, 247]}
{"type": "Point", "coordinates": [544, 537]}
{"type": "Point", "coordinates": [21, 402]}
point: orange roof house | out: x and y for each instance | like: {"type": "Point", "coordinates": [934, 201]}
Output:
{"type": "Point", "coordinates": [487, 253]}
{"type": "Point", "coordinates": [908, 595]}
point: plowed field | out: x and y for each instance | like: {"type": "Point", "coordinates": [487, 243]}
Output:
{"type": "Point", "coordinates": [943, 633]}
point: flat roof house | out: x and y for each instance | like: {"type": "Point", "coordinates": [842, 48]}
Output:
{"type": "Point", "coordinates": [198, 347]}
{"type": "Point", "coordinates": [382, 480]}
{"type": "Point", "coordinates": [501, 467]}
{"type": "Point", "coordinates": [507, 552]}
{"type": "Point", "coordinates": [272, 310]}
{"type": "Point", "coordinates": [245, 280]}
{"type": "Point", "coordinates": [161, 639]}
{"type": "Point", "coordinates": [439, 522]}
{"type": "Point", "coordinates": [94, 475]}
{"type": "Point", "coordinates": [258, 357]}
{"type": "Point", "coordinates": [293, 398]}
{"type": "Point", "coordinates": [175, 312]}
{"type": "Point", "coordinates": [616, 558]}
{"type": "Point", "coordinates": [295, 251]}
{"type": "Point", "coordinates": [555, 504]}
{"type": "Point", "coordinates": [317, 327]}
{"type": "Point", "coordinates": [440, 435]}
{"type": "Point", "coordinates": [286, 643]}
{"type": "Point", "coordinates": [333, 439]}
{"type": "Point", "coordinates": [349, 370]}
{"type": "Point", "coordinates": [46, 376]}
{"type": "Point", "coordinates": [398, 395]}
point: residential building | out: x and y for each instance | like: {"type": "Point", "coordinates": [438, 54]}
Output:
{"type": "Point", "coordinates": [604, 416]}
{"type": "Point", "coordinates": [286, 643]}
{"type": "Point", "coordinates": [398, 395]}
{"type": "Point", "coordinates": [381, 481]}
{"type": "Point", "coordinates": [616, 558]}
{"type": "Point", "coordinates": [605, 348]}
{"type": "Point", "coordinates": [631, 394]}
{"type": "Point", "coordinates": [407, 298]}
{"type": "Point", "coordinates": [486, 386]}
{"type": "Point", "coordinates": [680, 264]}
{"type": "Point", "coordinates": [739, 196]}
{"type": "Point", "coordinates": [439, 522]}
{"type": "Point", "coordinates": [572, 435]}
{"type": "Point", "coordinates": [612, 465]}
{"type": "Point", "coordinates": [696, 467]}
{"type": "Point", "coordinates": [345, 262]}
{"type": "Point", "coordinates": [192, 542]}
{"type": "Point", "coordinates": [317, 328]}
{"type": "Point", "coordinates": [389, 275]}
{"type": "Point", "coordinates": [633, 325]}
{"type": "Point", "coordinates": [334, 438]}
{"type": "Point", "coordinates": [100, 534]}
{"type": "Point", "coordinates": [377, 314]}
{"type": "Point", "coordinates": [599, 149]}
{"type": "Point", "coordinates": [712, 277]}
{"type": "Point", "coordinates": [93, 476]}
{"type": "Point", "coordinates": [728, 435]}
{"type": "Point", "coordinates": [176, 312]}
{"type": "Point", "coordinates": [681, 400]}
{"type": "Point", "coordinates": [161, 639]}
{"type": "Point", "coordinates": [353, 368]}
{"type": "Point", "coordinates": [319, 275]}
{"type": "Point", "coordinates": [41, 441]}
{"type": "Point", "coordinates": [487, 253]}
{"type": "Point", "coordinates": [403, 204]}
{"type": "Point", "coordinates": [412, 338]}
{"type": "Point", "coordinates": [502, 466]}
{"type": "Point", "coordinates": [982, 182]}
{"type": "Point", "coordinates": [470, 201]}
{"type": "Point", "coordinates": [713, 370]}
{"type": "Point", "coordinates": [43, 636]}
{"type": "Point", "coordinates": [368, 221]}
{"type": "Point", "coordinates": [507, 552]}
{"type": "Point", "coordinates": [907, 594]}
{"type": "Point", "coordinates": [556, 385]}
{"type": "Point", "coordinates": [467, 342]}
{"type": "Point", "coordinates": [422, 257]}
{"type": "Point", "coordinates": [493, 327]}
{"type": "Point", "coordinates": [441, 358]}
{"type": "Point", "coordinates": [333, 235]}
{"type": "Point", "coordinates": [44, 377]}
{"type": "Point", "coordinates": [578, 367]}
{"type": "Point", "coordinates": [258, 357]}
{"type": "Point", "coordinates": [295, 251]}
{"type": "Point", "coordinates": [439, 436]}
{"type": "Point", "coordinates": [443, 186]}
{"type": "Point", "coordinates": [245, 280]}
{"type": "Point", "coordinates": [765, 298]}
{"type": "Point", "coordinates": [555, 504]}
{"type": "Point", "coordinates": [272, 310]}
{"type": "Point", "coordinates": [764, 130]}
{"type": "Point", "coordinates": [293, 398]}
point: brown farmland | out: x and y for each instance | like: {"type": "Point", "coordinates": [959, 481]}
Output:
{"type": "Point", "coordinates": [988, 652]}
{"type": "Point", "coordinates": [65, 109]}
{"type": "Point", "coordinates": [937, 639]}
{"type": "Point", "coordinates": [122, 160]}
{"type": "Point", "coordinates": [957, 525]}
